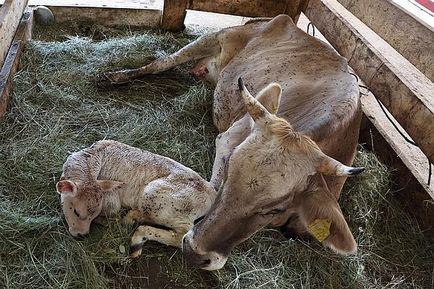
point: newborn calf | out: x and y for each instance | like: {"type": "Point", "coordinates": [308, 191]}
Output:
{"type": "Point", "coordinates": [99, 180]}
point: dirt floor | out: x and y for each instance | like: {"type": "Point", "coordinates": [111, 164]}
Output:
{"type": "Point", "coordinates": [57, 108]}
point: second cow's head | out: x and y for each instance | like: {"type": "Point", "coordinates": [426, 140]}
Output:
{"type": "Point", "coordinates": [273, 172]}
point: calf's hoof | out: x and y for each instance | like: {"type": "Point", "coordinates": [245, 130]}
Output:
{"type": "Point", "coordinates": [136, 245]}
{"type": "Point", "coordinates": [136, 250]}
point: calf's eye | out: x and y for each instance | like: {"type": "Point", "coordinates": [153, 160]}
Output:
{"type": "Point", "coordinates": [76, 213]}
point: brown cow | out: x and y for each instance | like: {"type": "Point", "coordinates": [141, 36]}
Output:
{"type": "Point", "coordinates": [281, 162]}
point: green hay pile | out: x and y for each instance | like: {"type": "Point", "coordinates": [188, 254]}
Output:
{"type": "Point", "coordinates": [56, 108]}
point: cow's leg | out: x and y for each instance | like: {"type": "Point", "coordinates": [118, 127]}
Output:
{"type": "Point", "coordinates": [168, 237]}
{"type": "Point", "coordinates": [204, 46]}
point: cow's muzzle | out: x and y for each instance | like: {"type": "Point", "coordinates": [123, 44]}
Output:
{"type": "Point", "coordinates": [204, 260]}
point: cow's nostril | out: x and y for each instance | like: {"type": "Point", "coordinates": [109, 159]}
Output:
{"type": "Point", "coordinates": [206, 262]}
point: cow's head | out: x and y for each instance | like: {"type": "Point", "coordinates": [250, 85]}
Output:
{"type": "Point", "coordinates": [82, 202]}
{"type": "Point", "coordinates": [273, 173]}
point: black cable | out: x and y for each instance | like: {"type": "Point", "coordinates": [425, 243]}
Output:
{"type": "Point", "coordinates": [384, 111]}
{"type": "Point", "coordinates": [397, 129]}
{"type": "Point", "coordinates": [394, 125]}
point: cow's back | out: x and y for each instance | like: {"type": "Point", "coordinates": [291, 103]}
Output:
{"type": "Point", "coordinates": [319, 96]}
{"type": "Point", "coordinates": [317, 87]}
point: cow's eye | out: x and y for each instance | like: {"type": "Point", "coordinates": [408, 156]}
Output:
{"type": "Point", "coordinates": [76, 213]}
{"type": "Point", "coordinates": [273, 212]}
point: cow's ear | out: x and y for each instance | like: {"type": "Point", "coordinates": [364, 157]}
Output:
{"type": "Point", "coordinates": [66, 187]}
{"type": "Point", "coordinates": [269, 97]}
{"type": "Point", "coordinates": [108, 185]}
{"type": "Point", "coordinates": [322, 216]}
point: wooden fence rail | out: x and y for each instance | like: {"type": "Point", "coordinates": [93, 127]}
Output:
{"type": "Point", "coordinates": [405, 91]}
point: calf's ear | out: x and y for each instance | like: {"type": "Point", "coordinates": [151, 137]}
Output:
{"type": "Point", "coordinates": [321, 214]}
{"type": "Point", "coordinates": [66, 187]}
{"type": "Point", "coordinates": [108, 185]}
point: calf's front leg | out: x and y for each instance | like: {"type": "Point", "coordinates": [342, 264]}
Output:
{"type": "Point", "coordinates": [168, 237]}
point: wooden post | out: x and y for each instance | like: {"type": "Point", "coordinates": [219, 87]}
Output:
{"type": "Point", "coordinates": [295, 8]}
{"type": "Point", "coordinates": [11, 62]}
{"type": "Point", "coordinates": [10, 15]}
{"type": "Point", "coordinates": [405, 91]}
{"type": "Point", "coordinates": [174, 12]}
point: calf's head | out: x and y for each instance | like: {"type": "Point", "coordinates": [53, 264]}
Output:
{"type": "Point", "coordinates": [273, 173]}
{"type": "Point", "coordinates": [82, 202]}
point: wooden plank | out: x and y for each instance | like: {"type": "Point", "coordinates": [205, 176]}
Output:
{"type": "Point", "coordinates": [174, 13]}
{"type": "Point", "coordinates": [409, 37]}
{"type": "Point", "coordinates": [413, 158]}
{"type": "Point", "coordinates": [11, 63]}
{"type": "Point", "coordinates": [405, 91]}
{"type": "Point", "coordinates": [250, 8]}
{"type": "Point", "coordinates": [108, 16]}
{"type": "Point", "coordinates": [10, 15]}
{"type": "Point", "coordinates": [122, 4]}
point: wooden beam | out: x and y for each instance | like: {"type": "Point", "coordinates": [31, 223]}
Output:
{"type": "Point", "coordinates": [108, 16]}
{"type": "Point", "coordinates": [411, 38]}
{"type": "Point", "coordinates": [10, 15]}
{"type": "Point", "coordinates": [250, 8]}
{"type": "Point", "coordinates": [413, 158]}
{"type": "Point", "coordinates": [10, 66]}
{"type": "Point", "coordinates": [295, 8]}
{"type": "Point", "coordinates": [405, 91]}
{"type": "Point", "coordinates": [174, 13]}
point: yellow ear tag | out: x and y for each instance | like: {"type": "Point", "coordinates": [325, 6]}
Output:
{"type": "Point", "coordinates": [320, 229]}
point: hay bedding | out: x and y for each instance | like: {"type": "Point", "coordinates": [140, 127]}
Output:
{"type": "Point", "coordinates": [57, 108]}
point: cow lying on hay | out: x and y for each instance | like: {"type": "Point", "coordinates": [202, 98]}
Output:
{"type": "Point", "coordinates": [99, 180]}
{"type": "Point", "coordinates": [278, 157]}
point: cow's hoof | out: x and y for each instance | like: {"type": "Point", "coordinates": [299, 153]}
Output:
{"type": "Point", "coordinates": [111, 78]}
